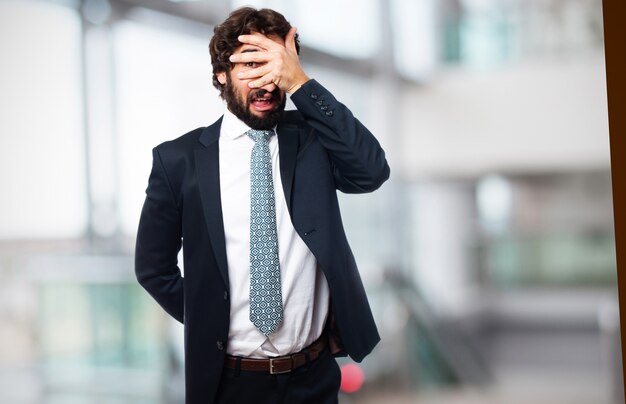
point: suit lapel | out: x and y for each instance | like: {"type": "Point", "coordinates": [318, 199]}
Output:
{"type": "Point", "coordinates": [288, 148]}
{"type": "Point", "coordinates": [207, 166]}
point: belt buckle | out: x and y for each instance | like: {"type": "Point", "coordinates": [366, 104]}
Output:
{"type": "Point", "coordinates": [275, 372]}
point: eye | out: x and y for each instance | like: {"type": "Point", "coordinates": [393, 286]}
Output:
{"type": "Point", "coordinates": [250, 64]}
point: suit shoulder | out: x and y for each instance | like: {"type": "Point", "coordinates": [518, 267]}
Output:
{"type": "Point", "coordinates": [182, 142]}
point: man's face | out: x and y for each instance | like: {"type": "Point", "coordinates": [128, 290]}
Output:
{"type": "Point", "coordinates": [259, 108]}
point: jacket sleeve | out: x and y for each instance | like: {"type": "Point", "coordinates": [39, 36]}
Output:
{"type": "Point", "coordinates": [159, 241]}
{"type": "Point", "coordinates": [359, 163]}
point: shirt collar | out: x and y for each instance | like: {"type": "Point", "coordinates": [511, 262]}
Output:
{"type": "Point", "coordinates": [232, 127]}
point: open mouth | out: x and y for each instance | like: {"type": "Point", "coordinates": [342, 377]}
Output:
{"type": "Point", "coordinates": [263, 101]}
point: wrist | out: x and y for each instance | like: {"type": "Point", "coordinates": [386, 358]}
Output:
{"type": "Point", "coordinates": [299, 83]}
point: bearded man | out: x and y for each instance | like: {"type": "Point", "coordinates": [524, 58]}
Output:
{"type": "Point", "coordinates": [271, 293]}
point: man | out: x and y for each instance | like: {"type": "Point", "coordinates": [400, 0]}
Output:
{"type": "Point", "coordinates": [271, 291]}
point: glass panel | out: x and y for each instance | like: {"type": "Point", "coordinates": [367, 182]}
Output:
{"type": "Point", "coordinates": [488, 33]}
{"type": "Point", "coordinates": [95, 336]}
{"type": "Point", "coordinates": [414, 37]}
{"type": "Point", "coordinates": [164, 90]}
{"type": "Point", "coordinates": [561, 260]}
{"type": "Point", "coordinates": [341, 28]}
{"type": "Point", "coordinates": [42, 167]}
{"type": "Point", "coordinates": [98, 325]}
{"type": "Point", "coordinates": [553, 230]}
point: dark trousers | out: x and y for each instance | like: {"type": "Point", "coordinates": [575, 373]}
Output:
{"type": "Point", "coordinates": [315, 383]}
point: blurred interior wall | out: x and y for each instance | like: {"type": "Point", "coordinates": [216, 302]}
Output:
{"type": "Point", "coordinates": [490, 248]}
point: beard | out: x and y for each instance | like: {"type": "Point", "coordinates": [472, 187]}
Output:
{"type": "Point", "coordinates": [241, 108]}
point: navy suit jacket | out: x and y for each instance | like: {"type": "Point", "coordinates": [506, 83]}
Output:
{"type": "Point", "coordinates": [323, 148]}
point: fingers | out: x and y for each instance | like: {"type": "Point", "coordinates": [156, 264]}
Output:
{"type": "Point", "coordinates": [254, 73]}
{"type": "Point", "coordinates": [261, 81]}
{"type": "Point", "coordinates": [259, 40]}
{"type": "Point", "coordinates": [260, 76]}
{"type": "Point", "coordinates": [249, 57]}
{"type": "Point", "coordinates": [264, 42]}
{"type": "Point", "coordinates": [270, 61]}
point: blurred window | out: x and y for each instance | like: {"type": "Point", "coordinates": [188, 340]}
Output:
{"type": "Point", "coordinates": [489, 33]}
{"type": "Point", "coordinates": [163, 90]}
{"type": "Point", "coordinates": [414, 27]}
{"type": "Point", "coordinates": [342, 28]}
{"type": "Point", "coordinates": [547, 230]}
{"type": "Point", "coordinates": [42, 155]}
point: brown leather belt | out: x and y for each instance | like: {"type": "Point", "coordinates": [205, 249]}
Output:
{"type": "Point", "coordinates": [281, 364]}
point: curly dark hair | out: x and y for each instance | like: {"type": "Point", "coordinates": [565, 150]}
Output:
{"type": "Point", "coordinates": [243, 21]}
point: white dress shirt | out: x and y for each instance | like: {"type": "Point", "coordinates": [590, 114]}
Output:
{"type": "Point", "coordinates": [304, 288]}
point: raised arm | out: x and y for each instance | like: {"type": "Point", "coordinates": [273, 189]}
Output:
{"type": "Point", "coordinates": [359, 163]}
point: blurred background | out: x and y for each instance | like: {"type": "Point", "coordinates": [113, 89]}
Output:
{"type": "Point", "coordinates": [489, 256]}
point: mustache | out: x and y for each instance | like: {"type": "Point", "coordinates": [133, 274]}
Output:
{"type": "Point", "coordinates": [260, 93]}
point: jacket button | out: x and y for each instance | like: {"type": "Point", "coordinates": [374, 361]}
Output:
{"type": "Point", "coordinates": [329, 113]}
{"type": "Point", "coordinates": [225, 295]}
{"type": "Point", "coordinates": [220, 345]}
{"type": "Point", "coordinates": [324, 107]}
{"type": "Point", "coordinates": [320, 102]}
{"type": "Point", "coordinates": [314, 96]}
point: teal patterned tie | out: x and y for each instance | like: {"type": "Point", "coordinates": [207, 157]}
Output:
{"type": "Point", "coordinates": [266, 305]}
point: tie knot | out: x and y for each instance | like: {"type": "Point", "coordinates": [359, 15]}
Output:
{"type": "Point", "coordinates": [257, 135]}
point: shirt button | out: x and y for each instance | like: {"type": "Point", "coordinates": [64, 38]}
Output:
{"type": "Point", "coordinates": [225, 295]}
{"type": "Point", "coordinates": [220, 345]}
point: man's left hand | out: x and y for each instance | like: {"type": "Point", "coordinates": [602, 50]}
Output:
{"type": "Point", "coordinates": [279, 62]}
